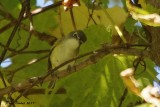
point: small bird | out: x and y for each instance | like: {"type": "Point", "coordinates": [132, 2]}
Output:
{"type": "Point", "coordinates": [65, 49]}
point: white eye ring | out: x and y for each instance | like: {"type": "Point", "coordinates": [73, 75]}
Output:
{"type": "Point", "coordinates": [76, 35]}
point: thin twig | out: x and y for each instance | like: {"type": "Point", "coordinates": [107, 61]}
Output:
{"type": "Point", "coordinates": [13, 31]}
{"type": "Point", "coordinates": [120, 33]}
{"type": "Point", "coordinates": [60, 21]}
{"type": "Point", "coordinates": [91, 14]}
{"type": "Point", "coordinates": [73, 20]}
{"type": "Point", "coordinates": [33, 13]}
{"type": "Point", "coordinates": [41, 36]}
{"type": "Point", "coordinates": [123, 97]}
{"type": "Point", "coordinates": [41, 79]}
{"type": "Point", "coordinates": [35, 52]}
{"type": "Point", "coordinates": [7, 48]}
{"type": "Point", "coordinates": [7, 26]}
{"type": "Point", "coordinates": [97, 55]}
{"type": "Point", "coordinates": [9, 42]}
{"type": "Point", "coordinates": [28, 13]}
{"type": "Point", "coordinates": [11, 38]}
{"type": "Point", "coordinates": [44, 9]}
{"type": "Point", "coordinates": [28, 52]}
{"type": "Point", "coordinates": [12, 73]}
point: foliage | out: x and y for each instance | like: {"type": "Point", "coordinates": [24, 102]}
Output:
{"type": "Point", "coordinates": [98, 84]}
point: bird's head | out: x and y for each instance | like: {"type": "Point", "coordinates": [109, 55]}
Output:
{"type": "Point", "coordinates": [79, 35]}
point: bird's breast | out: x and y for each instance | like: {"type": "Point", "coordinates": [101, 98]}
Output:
{"type": "Point", "coordinates": [64, 51]}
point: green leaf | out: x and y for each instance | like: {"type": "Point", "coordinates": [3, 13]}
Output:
{"type": "Point", "coordinates": [99, 17]}
{"type": "Point", "coordinates": [46, 20]}
{"type": "Point", "coordinates": [130, 25]}
{"type": "Point", "coordinates": [13, 7]}
{"type": "Point", "coordinates": [89, 3]}
{"type": "Point", "coordinates": [25, 59]}
{"type": "Point", "coordinates": [97, 35]}
{"type": "Point", "coordinates": [145, 105]}
{"type": "Point", "coordinates": [144, 15]}
{"type": "Point", "coordinates": [98, 84]}
{"type": "Point", "coordinates": [95, 85]}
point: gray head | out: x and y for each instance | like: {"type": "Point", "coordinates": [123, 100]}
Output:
{"type": "Point", "coordinates": [78, 34]}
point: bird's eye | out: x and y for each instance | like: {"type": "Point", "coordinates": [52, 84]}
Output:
{"type": "Point", "coordinates": [76, 35]}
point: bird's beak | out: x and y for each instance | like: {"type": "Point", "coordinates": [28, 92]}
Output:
{"type": "Point", "coordinates": [81, 42]}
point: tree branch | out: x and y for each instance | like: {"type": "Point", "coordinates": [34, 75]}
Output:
{"type": "Point", "coordinates": [11, 38]}
{"type": "Point", "coordinates": [12, 73]}
{"type": "Point", "coordinates": [94, 58]}
{"type": "Point", "coordinates": [33, 13]}
{"type": "Point", "coordinates": [41, 36]}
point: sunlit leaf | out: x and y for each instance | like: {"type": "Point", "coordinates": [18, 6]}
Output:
{"type": "Point", "coordinates": [97, 85]}
{"type": "Point", "coordinates": [130, 25]}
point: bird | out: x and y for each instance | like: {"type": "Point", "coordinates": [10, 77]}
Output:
{"type": "Point", "coordinates": [65, 49]}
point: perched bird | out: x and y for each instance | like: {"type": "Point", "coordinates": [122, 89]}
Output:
{"type": "Point", "coordinates": [65, 49]}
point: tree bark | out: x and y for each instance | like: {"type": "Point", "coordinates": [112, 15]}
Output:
{"type": "Point", "coordinates": [155, 36]}
{"type": "Point", "coordinates": [155, 44]}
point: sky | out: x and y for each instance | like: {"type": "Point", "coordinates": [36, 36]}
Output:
{"type": "Point", "coordinates": [42, 3]}
{"type": "Point", "coordinates": [112, 3]}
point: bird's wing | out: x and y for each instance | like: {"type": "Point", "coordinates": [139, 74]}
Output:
{"type": "Point", "coordinates": [49, 62]}
{"type": "Point", "coordinates": [55, 44]}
